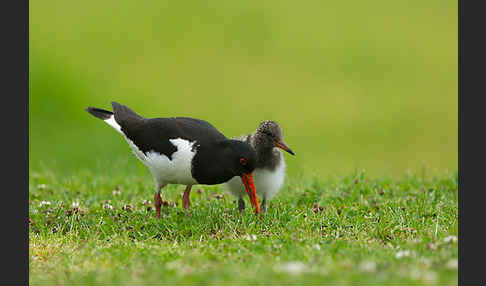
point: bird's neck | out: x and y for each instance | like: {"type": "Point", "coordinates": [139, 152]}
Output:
{"type": "Point", "coordinates": [211, 167]}
{"type": "Point", "coordinates": [268, 157]}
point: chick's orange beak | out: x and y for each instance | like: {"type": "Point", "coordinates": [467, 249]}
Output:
{"type": "Point", "coordinates": [280, 144]}
{"type": "Point", "coordinates": [249, 183]}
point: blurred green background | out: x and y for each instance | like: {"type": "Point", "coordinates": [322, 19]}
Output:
{"type": "Point", "coordinates": [354, 84]}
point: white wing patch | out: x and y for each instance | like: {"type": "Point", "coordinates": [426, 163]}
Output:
{"type": "Point", "coordinates": [175, 171]}
{"type": "Point", "coordinates": [164, 171]}
{"type": "Point", "coordinates": [267, 183]}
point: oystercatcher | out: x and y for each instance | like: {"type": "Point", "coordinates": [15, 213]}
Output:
{"type": "Point", "coordinates": [270, 166]}
{"type": "Point", "coordinates": [182, 150]}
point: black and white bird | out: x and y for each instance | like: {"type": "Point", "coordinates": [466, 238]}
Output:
{"type": "Point", "coordinates": [270, 166]}
{"type": "Point", "coordinates": [182, 150]}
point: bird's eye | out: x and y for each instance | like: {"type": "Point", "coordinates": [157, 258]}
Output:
{"type": "Point", "coordinates": [242, 161]}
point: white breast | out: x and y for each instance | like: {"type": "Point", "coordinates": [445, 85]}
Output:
{"type": "Point", "coordinates": [175, 171]}
{"type": "Point", "coordinates": [267, 183]}
{"type": "Point", "coordinates": [164, 170]}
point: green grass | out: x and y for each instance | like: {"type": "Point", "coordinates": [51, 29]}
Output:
{"type": "Point", "coordinates": [367, 231]}
{"type": "Point", "coordinates": [355, 85]}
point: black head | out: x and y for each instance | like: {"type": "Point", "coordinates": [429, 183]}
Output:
{"type": "Point", "coordinates": [269, 135]}
{"type": "Point", "coordinates": [243, 161]}
{"type": "Point", "coordinates": [241, 156]}
{"type": "Point", "coordinates": [269, 131]}
{"type": "Point", "coordinates": [216, 164]}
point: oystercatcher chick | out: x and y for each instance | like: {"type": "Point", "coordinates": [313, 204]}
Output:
{"type": "Point", "coordinates": [270, 165]}
{"type": "Point", "coordinates": [182, 150]}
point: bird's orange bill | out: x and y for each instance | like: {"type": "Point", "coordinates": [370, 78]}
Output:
{"type": "Point", "coordinates": [280, 144]}
{"type": "Point", "coordinates": [249, 183]}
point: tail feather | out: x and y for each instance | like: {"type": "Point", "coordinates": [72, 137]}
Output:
{"type": "Point", "coordinates": [106, 116]}
{"type": "Point", "coordinates": [124, 114]}
{"type": "Point", "coordinates": [100, 113]}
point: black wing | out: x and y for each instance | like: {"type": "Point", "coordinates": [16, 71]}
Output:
{"type": "Point", "coordinates": [153, 134]}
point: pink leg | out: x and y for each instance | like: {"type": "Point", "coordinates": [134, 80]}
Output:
{"type": "Point", "coordinates": [185, 198]}
{"type": "Point", "coordinates": [158, 203]}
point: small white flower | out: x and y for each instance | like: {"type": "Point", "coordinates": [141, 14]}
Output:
{"type": "Point", "coordinates": [450, 238]}
{"type": "Point", "coordinates": [174, 265]}
{"type": "Point", "coordinates": [107, 207]}
{"type": "Point", "coordinates": [43, 203]}
{"type": "Point", "coordinates": [426, 262]}
{"type": "Point", "coordinates": [181, 268]}
{"type": "Point", "coordinates": [317, 246]}
{"type": "Point", "coordinates": [147, 202]}
{"type": "Point", "coordinates": [116, 192]}
{"type": "Point", "coordinates": [432, 246]}
{"type": "Point", "coordinates": [75, 204]}
{"type": "Point", "coordinates": [41, 186]}
{"type": "Point", "coordinates": [452, 264]}
{"type": "Point", "coordinates": [367, 266]}
{"type": "Point", "coordinates": [293, 267]}
{"type": "Point", "coordinates": [402, 253]}
{"type": "Point", "coordinates": [249, 237]}
{"type": "Point", "coordinates": [429, 276]}
{"type": "Point", "coordinates": [414, 273]}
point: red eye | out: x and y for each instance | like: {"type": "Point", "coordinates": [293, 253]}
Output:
{"type": "Point", "coordinates": [243, 161]}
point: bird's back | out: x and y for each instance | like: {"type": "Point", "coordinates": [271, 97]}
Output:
{"type": "Point", "coordinates": [154, 134]}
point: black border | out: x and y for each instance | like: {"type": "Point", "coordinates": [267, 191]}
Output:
{"type": "Point", "coordinates": [471, 76]}
{"type": "Point", "coordinates": [461, 278]}
{"type": "Point", "coordinates": [26, 30]}
{"type": "Point", "coordinates": [14, 19]}
{"type": "Point", "coordinates": [16, 87]}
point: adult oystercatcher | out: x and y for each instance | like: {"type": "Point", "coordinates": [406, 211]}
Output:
{"type": "Point", "coordinates": [182, 150]}
{"type": "Point", "coordinates": [270, 166]}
